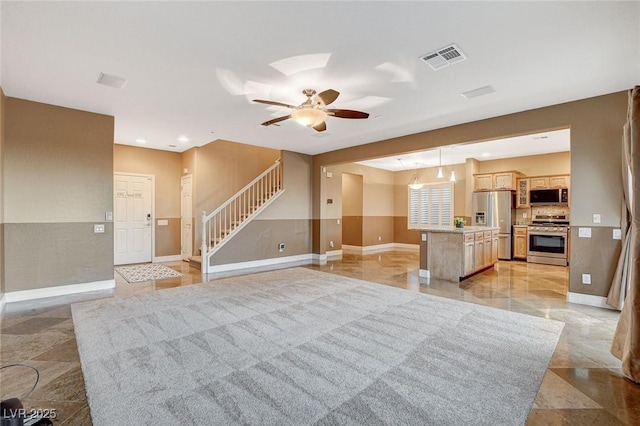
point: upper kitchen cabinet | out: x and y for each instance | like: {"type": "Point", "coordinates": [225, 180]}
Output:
{"type": "Point", "coordinates": [540, 182]}
{"type": "Point", "coordinates": [561, 181]}
{"type": "Point", "coordinates": [505, 181]}
{"type": "Point", "coordinates": [483, 182]}
{"type": "Point", "coordinates": [549, 182]}
{"type": "Point", "coordinates": [522, 198]}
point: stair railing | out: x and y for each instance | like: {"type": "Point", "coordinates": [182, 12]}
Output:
{"type": "Point", "coordinates": [234, 214]}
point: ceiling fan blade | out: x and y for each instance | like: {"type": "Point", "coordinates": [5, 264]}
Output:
{"type": "Point", "coordinates": [346, 113]}
{"type": "Point", "coordinates": [261, 101]}
{"type": "Point", "coordinates": [328, 96]}
{"type": "Point", "coordinates": [276, 120]}
{"type": "Point", "coordinates": [321, 127]}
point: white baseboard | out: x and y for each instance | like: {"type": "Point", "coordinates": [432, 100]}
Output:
{"type": "Point", "coordinates": [319, 259]}
{"type": "Point", "coordinates": [381, 247]}
{"type": "Point", "coordinates": [424, 273]}
{"type": "Point", "coordinates": [61, 290]}
{"type": "Point", "coordinates": [405, 246]}
{"type": "Point", "coordinates": [589, 299]}
{"type": "Point", "coordinates": [2, 302]}
{"type": "Point", "coordinates": [301, 259]}
{"type": "Point", "coordinates": [334, 253]}
{"type": "Point", "coordinates": [172, 258]}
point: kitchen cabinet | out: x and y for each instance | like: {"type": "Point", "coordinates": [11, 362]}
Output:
{"type": "Point", "coordinates": [483, 182]}
{"type": "Point", "coordinates": [469, 259]}
{"type": "Point", "coordinates": [522, 198]}
{"type": "Point", "coordinates": [495, 243]}
{"type": "Point", "coordinates": [505, 181]}
{"type": "Point", "coordinates": [451, 254]}
{"type": "Point", "coordinates": [540, 182]}
{"type": "Point", "coordinates": [487, 249]}
{"type": "Point", "coordinates": [520, 242]}
{"type": "Point", "coordinates": [559, 181]}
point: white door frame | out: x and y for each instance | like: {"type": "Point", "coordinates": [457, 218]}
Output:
{"type": "Point", "coordinates": [191, 218]}
{"type": "Point", "coordinates": [153, 209]}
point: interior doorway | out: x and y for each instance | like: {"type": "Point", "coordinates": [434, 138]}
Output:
{"type": "Point", "coordinates": [186, 217]}
{"type": "Point", "coordinates": [132, 218]}
{"type": "Point", "coordinates": [352, 208]}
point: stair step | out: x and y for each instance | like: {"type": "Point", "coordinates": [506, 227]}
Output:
{"type": "Point", "coordinates": [195, 262]}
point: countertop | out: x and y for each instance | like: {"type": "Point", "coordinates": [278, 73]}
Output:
{"type": "Point", "coordinates": [454, 230]}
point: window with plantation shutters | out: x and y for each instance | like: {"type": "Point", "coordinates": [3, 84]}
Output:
{"type": "Point", "coordinates": [431, 205]}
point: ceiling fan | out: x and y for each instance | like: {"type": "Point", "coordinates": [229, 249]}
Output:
{"type": "Point", "coordinates": [313, 111]}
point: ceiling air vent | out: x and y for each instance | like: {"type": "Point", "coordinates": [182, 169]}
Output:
{"type": "Point", "coordinates": [444, 57]}
{"type": "Point", "coordinates": [111, 80]}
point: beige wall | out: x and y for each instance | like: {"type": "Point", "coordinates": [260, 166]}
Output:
{"type": "Point", "coordinates": [222, 168]}
{"type": "Point", "coordinates": [377, 208]}
{"type": "Point", "coordinates": [2, 99]}
{"type": "Point", "coordinates": [352, 209]}
{"type": "Point", "coordinates": [595, 125]}
{"type": "Point", "coordinates": [58, 182]}
{"type": "Point", "coordinates": [532, 165]}
{"type": "Point", "coordinates": [166, 167]}
{"type": "Point", "coordinates": [286, 220]}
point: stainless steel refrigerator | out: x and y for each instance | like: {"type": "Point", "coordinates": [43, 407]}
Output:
{"type": "Point", "coordinates": [496, 209]}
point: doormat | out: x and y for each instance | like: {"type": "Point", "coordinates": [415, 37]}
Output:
{"type": "Point", "coordinates": [146, 272]}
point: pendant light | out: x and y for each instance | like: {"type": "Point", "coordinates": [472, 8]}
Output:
{"type": "Point", "coordinates": [440, 173]}
{"type": "Point", "coordinates": [415, 184]}
{"type": "Point", "coordinates": [453, 172]}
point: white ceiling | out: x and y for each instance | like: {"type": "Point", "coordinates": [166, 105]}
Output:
{"type": "Point", "coordinates": [192, 68]}
{"type": "Point", "coordinates": [519, 146]}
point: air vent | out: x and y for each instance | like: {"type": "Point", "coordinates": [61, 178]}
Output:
{"type": "Point", "coordinates": [111, 80]}
{"type": "Point", "coordinates": [444, 57]}
{"type": "Point", "coordinates": [478, 92]}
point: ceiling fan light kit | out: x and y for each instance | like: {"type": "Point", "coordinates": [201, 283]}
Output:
{"type": "Point", "coordinates": [309, 117]}
{"type": "Point", "coordinates": [312, 112]}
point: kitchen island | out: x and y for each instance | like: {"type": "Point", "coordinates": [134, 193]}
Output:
{"type": "Point", "coordinates": [452, 254]}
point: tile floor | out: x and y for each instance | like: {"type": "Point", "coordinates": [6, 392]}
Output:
{"type": "Point", "coordinates": [583, 385]}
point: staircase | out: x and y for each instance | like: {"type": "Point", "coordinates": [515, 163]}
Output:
{"type": "Point", "coordinates": [227, 220]}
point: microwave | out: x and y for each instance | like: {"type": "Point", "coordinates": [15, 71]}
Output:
{"type": "Point", "coordinates": [558, 196]}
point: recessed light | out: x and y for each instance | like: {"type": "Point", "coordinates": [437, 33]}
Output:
{"type": "Point", "coordinates": [183, 139]}
{"type": "Point", "coordinates": [141, 141]}
{"type": "Point", "coordinates": [173, 146]}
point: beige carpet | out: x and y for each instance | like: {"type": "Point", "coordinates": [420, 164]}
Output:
{"type": "Point", "coordinates": [298, 347]}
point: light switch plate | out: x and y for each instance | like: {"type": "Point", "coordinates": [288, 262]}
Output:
{"type": "Point", "coordinates": [586, 278]}
{"type": "Point", "coordinates": [108, 216]}
{"type": "Point", "coordinates": [338, 221]}
{"type": "Point", "coordinates": [98, 228]}
{"type": "Point", "coordinates": [617, 234]}
{"type": "Point", "coordinates": [424, 237]}
{"type": "Point", "coordinates": [597, 218]}
{"type": "Point", "coordinates": [584, 232]}
{"type": "Point", "coordinates": [329, 174]}
{"type": "Point", "coordinates": [163, 222]}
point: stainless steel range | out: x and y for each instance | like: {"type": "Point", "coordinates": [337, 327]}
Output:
{"type": "Point", "coordinates": [548, 239]}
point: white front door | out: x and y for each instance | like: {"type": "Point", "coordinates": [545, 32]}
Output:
{"type": "Point", "coordinates": [132, 219]}
{"type": "Point", "coordinates": [186, 240]}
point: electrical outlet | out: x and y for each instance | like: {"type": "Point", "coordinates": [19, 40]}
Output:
{"type": "Point", "coordinates": [596, 218]}
{"type": "Point", "coordinates": [586, 278]}
{"type": "Point", "coordinates": [108, 216]}
{"type": "Point", "coordinates": [379, 238]}
{"type": "Point", "coordinates": [524, 215]}
{"type": "Point", "coordinates": [424, 237]}
{"type": "Point", "coordinates": [331, 244]}
{"type": "Point", "coordinates": [338, 221]}
{"type": "Point", "coordinates": [281, 247]}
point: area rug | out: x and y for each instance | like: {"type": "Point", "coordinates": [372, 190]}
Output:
{"type": "Point", "coordinates": [301, 347]}
{"type": "Point", "coordinates": [146, 272]}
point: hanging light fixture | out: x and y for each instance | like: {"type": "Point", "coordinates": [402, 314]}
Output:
{"type": "Point", "coordinates": [453, 172]}
{"type": "Point", "coordinates": [309, 116]}
{"type": "Point", "coordinates": [415, 184]}
{"type": "Point", "coordinates": [440, 173]}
